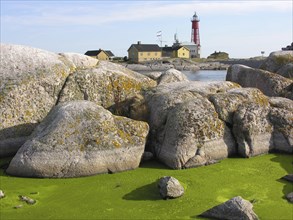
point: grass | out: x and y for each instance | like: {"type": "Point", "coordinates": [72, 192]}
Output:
{"type": "Point", "coordinates": [134, 194]}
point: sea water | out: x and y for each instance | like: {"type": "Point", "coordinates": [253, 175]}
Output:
{"type": "Point", "coordinates": [206, 75]}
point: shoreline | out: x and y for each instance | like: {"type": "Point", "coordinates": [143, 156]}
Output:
{"type": "Point", "coordinates": [190, 65]}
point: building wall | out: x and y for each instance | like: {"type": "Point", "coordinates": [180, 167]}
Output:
{"type": "Point", "coordinates": [102, 56]}
{"type": "Point", "coordinates": [133, 54]}
{"type": "Point", "coordinates": [194, 50]}
{"type": "Point", "coordinates": [136, 56]}
{"type": "Point", "coordinates": [146, 56]}
{"type": "Point", "coordinates": [181, 53]}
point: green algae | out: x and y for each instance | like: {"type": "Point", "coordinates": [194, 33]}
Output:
{"type": "Point", "coordinates": [134, 194]}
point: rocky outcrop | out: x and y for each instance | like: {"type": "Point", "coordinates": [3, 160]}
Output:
{"type": "Point", "coordinates": [286, 71]}
{"type": "Point", "coordinates": [269, 83]}
{"type": "Point", "coordinates": [226, 103]}
{"type": "Point", "coordinates": [33, 81]}
{"type": "Point", "coordinates": [170, 187]}
{"type": "Point", "coordinates": [260, 124]}
{"type": "Point", "coordinates": [281, 117]}
{"type": "Point", "coordinates": [252, 129]}
{"type": "Point", "coordinates": [233, 209]}
{"type": "Point", "coordinates": [106, 85]}
{"type": "Point", "coordinates": [196, 123]}
{"type": "Point", "coordinates": [30, 81]}
{"type": "Point", "coordinates": [172, 75]}
{"type": "Point", "coordinates": [80, 138]}
{"type": "Point", "coordinates": [276, 60]}
{"type": "Point", "coordinates": [185, 126]}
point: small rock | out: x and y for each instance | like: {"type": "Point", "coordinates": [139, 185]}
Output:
{"type": "Point", "coordinates": [233, 209]}
{"type": "Point", "coordinates": [147, 156]}
{"type": "Point", "coordinates": [289, 196]}
{"type": "Point", "coordinates": [2, 195]}
{"type": "Point", "coordinates": [170, 187]}
{"type": "Point", "coordinates": [288, 177]}
{"type": "Point", "coordinates": [28, 200]}
{"type": "Point", "coordinates": [18, 206]}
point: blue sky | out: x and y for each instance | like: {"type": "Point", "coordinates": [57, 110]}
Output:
{"type": "Point", "coordinates": [241, 28]}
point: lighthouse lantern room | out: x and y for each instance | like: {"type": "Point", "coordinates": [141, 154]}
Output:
{"type": "Point", "coordinates": [195, 29]}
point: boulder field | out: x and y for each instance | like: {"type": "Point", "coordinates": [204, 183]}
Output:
{"type": "Point", "coordinates": [69, 115]}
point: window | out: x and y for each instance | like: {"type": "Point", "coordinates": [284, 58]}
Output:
{"type": "Point", "coordinates": [149, 54]}
{"type": "Point", "coordinates": [183, 54]}
{"type": "Point", "coordinates": [141, 54]}
{"type": "Point", "coordinates": [155, 54]}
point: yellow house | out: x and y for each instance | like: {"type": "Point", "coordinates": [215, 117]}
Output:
{"type": "Point", "coordinates": [181, 52]}
{"type": "Point", "coordinates": [144, 52]}
{"type": "Point", "coordinates": [100, 54]}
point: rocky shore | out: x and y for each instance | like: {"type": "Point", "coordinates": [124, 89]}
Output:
{"type": "Point", "coordinates": [189, 65]}
{"type": "Point", "coordinates": [69, 115]}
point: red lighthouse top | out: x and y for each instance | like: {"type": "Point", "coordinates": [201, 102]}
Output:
{"type": "Point", "coordinates": [195, 29]}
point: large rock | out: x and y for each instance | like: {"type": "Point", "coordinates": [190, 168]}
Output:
{"type": "Point", "coordinates": [185, 128]}
{"type": "Point", "coordinates": [233, 209]}
{"type": "Point", "coordinates": [286, 71]}
{"type": "Point", "coordinates": [80, 138]}
{"type": "Point", "coordinates": [226, 103]}
{"type": "Point", "coordinates": [170, 187]}
{"type": "Point", "coordinates": [191, 126]}
{"type": "Point", "coordinates": [276, 60]}
{"type": "Point", "coordinates": [269, 83]}
{"type": "Point", "coordinates": [172, 75]}
{"type": "Point", "coordinates": [281, 117]}
{"type": "Point", "coordinates": [252, 129]}
{"type": "Point", "coordinates": [30, 82]}
{"type": "Point", "coordinates": [107, 84]}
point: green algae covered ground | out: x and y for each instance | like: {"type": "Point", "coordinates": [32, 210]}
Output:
{"type": "Point", "coordinates": [134, 194]}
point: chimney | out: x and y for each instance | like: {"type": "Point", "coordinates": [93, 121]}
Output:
{"type": "Point", "coordinates": [138, 42]}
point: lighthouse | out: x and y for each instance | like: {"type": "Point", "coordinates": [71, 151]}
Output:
{"type": "Point", "coordinates": [194, 45]}
{"type": "Point", "coordinates": [195, 30]}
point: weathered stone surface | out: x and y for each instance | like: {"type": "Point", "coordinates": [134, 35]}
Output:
{"type": "Point", "coordinates": [227, 103]}
{"type": "Point", "coordinates": [194, 125]}
{"type": "Point", "coordinates": [199, 87]}
{"type": "Point", "coordinates": [80, 138]}
{"type": "Point", "coordinates": [233, 209]}
{"type": "Point", "coordinates": [2, 195]}
{"type": "Point", "coordinates": [182, 120]}
{"type": "Point", "coordinates": [172, 75]}
{"type": "Point", "coordinates": [269, 83]}
{"type": "Point", "coordinates": [289, 197]}
{"type": "Point", "coordinates": [276, 60]}
{"type": "Point", "coordinates": [153, 75]}
{"type": "Point", "coordinates": [282, 121]}
{"type": "Point", "coordinates": [252, 129]}
{"type": "Point", "coordinates": [280, 102]}
{"type": "Point", "coordinates": [134, 108]}
{"type": "Point", "coordinates": [170, 188]}
{"type": "Point", "coordinates": [30, 81]}
{"type": "Point", "coordinates": [78, 61]}
{"type": "Point", "coordinates": [286, 71]}
{"type": "Point", "coordinates": [106, 85]}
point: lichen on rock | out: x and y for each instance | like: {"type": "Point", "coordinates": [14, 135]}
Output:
{"type": "Point", "coordinates": [80, 138]}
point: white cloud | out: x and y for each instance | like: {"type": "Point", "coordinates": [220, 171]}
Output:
{"type": "Point", "coordinates": [98, 13]}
